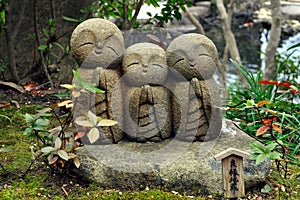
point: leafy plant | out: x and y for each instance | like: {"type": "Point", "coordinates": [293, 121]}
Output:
{"type": "Point", "coordinates": [268, 110]}
{"type": "Point", "coordinates": [60, 143]}
{"type": "Point", "coordinates": [91, 121]}
{"type": "Point", "coordinates": [261, 152]}
{"type": "Point", "coordinates": [83, 86]}
{"type": "Point", "coordinates": [36, 127]}
{"type": "Point", "coordinates": [51, 39]}
{"type": "Point", "coordinates": [171, 9]}
{"type": "Point", "coordinates": [288, 66]}
{"type": "Point", "coordinates": [125, 12]}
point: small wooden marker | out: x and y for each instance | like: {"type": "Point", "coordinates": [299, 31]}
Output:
{"type": "Point", "coordinates": [233, 172]}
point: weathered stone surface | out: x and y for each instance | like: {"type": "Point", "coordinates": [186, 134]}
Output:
{"type": "Point", "coordinates": [109, 80]}
{"type": "Point", "coordinates": [145, 63]}
{"type": "Point", "coordinates": [147, 112]}
{"type": "Point", "coordinates": [186, 167]}
{"type": "Point", "coordinates": [164, 95]}
{"type": "Point", "coordinates": [193, 59]}
{"type": "Point", "coordinates": [193, 56]}
{"type": "Point", "coordinates": [196, 113]}
{"type": "Point", "coordinates": [147, 115]}
{"type": "Point", "coordinates": [97, 43]}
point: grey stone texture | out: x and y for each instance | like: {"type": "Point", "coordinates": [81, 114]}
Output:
{"type": "Point", "coordinates": [171, 165]}
{"type": "Point", "coordinates": [193, 59]}
{"type": "Point", "coordinates": [97, 42]}
{"type": "Point", "coordinates": [193, 56]}
{"type": "Point", "coordinates": [148, 114]}
{"type": "Point", "coordinates": [154, 92]}
{"type": "Point", "coordinates": [166, 103]}
{"type": "Point", "coordinates": [98, 47]}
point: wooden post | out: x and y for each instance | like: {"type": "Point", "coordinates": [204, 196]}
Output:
{"type": "Point", "coordinates": [233, 172]}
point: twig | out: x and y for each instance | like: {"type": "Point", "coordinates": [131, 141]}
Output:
{"type": "Point", "coordinates": [125, 13]}
{"type": "Point", "coordinates": [2, 167]}
{"type": "Point", "coordinates": [137, 10]}
{"type": "Point", "coordinates": [25, 173]}
{"type": "Point", "coordinates": [194, 21]}
{"type": "Point", "coordinates": [52, 9]}
{"type": "Point", "coordinates": [38, 44]}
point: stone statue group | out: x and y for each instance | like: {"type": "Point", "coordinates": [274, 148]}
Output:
{"type": "Point", "coordinates": [154, 92]}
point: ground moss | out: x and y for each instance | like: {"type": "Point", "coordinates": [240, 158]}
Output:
{"type": "Point", "coordinates": [41, 183]}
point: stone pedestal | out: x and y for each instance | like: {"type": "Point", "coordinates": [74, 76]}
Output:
{"type": "Point", "coordinates": [172, 165]}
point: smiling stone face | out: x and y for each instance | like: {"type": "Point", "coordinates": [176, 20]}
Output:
{"type": "Point", "coordinates": [145, 63]}
{"type": "Point", "coordinates": [97, 43]}
{"type": "Point", "coordinates": [193, 56]}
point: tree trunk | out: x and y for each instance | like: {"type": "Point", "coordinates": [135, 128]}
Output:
{"type": "Point", "coordinates": [9, 43]}
{"type": "Point", "coordinates": [229, 36]}
{"type": "Point", "coordinates": [270, 64]}
{"type": "Point", "coordinates": [194, 21]}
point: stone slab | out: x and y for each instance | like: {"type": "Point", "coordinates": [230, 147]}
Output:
{"type": "Point", "coordinates": [171, 165]}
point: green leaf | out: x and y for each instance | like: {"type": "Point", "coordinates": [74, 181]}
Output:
{"type": "Point", "coordinates": [5, 150]}
{"type": "Point", "coordinates": [260, 158]}
{"type": "Point", "coordinates": [266, 189]}
{"type": "Point", "coordinates": [46, 32]}
{"type": "Point", "coordinates": [42, 112]}
{"type": "Point", "coordinates": [71, 19]}
{"type": "Point", "coordinates": [294, 46]}
{"type": "Point", "coordinates": [47, 150]}
{"type": "Point", "coordinates": [43, 47]}
{"type": "Point", "coordinates": [93, 135]}
{"type": "Point", "coordinates": [107, 122]}
{"type": "Point", "coordinates": [271, 146]}
{"type": "Point", "coordinates": [85, 123]}
{"type": "Point", "coordinates": [257, 147]}
{"type": "Point", "coordinates": [57, 143]}
{"type": "Point", "coordinates": [76, 75]}
{"type": "Point", "coordinates": [51, 22]}
{"type": "Point", "coordinates": [76, 162]}
{"type": "Point", "coordinates": [274, 156]}
{"type": "Point", "coordinates": [38, 128]}
{"type": "Point", "coordinates": [42, 122]}
{"type": "Point", "coordinates": [250, 102]}
{"type": "Point", "coordinates": [6, 117]}
{"type": "Point", "coordinates": [27, 131]}
{"type": "Point", "coordinates": [92, 118]}
{"type": "Point", "coordinates": [253, 156]}
{"type": "Point", "coordinates": [59, 45]}
{"type": "Point", "coordinates": [63, 154]}
{"type": "Point", "coordinates": [53, 159]}
{"type": "Point", "coordinates": [2, 17]}
{"type": "Point", "coordinates": [29, 118]}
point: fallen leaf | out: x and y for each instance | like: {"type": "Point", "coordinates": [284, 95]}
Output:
{"type": "Point", "coordinates": [262, 130]}
{"type": "Point", "coordinates": [13, 85]}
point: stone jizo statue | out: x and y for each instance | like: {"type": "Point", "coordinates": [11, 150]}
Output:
{"type": "Point", "coordinates": [154, 94]}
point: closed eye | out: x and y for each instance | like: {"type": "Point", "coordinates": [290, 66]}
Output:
{"type": "Point", "coordinates": [112, 49]}
{"type": "Point", "coordinates": [178, 61]}
{"type": "Point", "coordinates": [132, 64]}
{"type": "Point", "coordinates": [157, 65]}
{"type": "Point", "coordinates": [86, 44]}
{"type": "Point", "coordinates": [203, 54]}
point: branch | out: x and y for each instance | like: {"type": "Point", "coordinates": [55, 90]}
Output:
{"type": "Point", "coordinates": [229, 36]}
{"type": "Point", "coordinates": [194, 21]}
{"type": "Point", "coordinates": [270, 64]}
{"type": "Point", "coordinates": [9, 43]}
{"type": "Point", "coordinates": [137, 11]}
{"type": "Point", "coordinates": [52, 9]}
{"type": "Point", "coordinates": [125, 13]}
{"type": "Point", "coordinates": [38, 44]}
